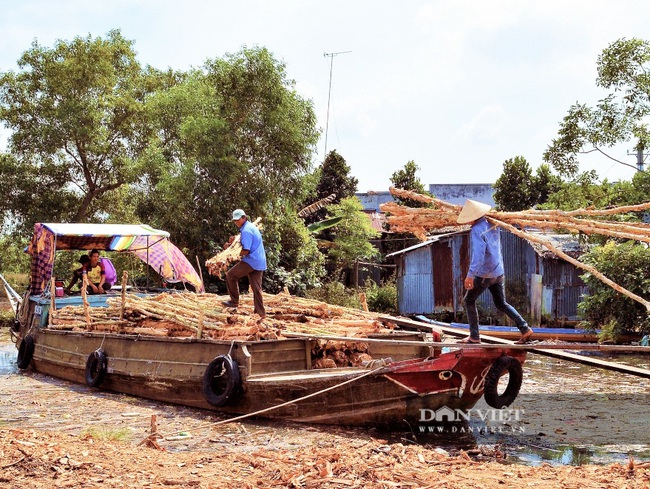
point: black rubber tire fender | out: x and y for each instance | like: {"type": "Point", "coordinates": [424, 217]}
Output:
{"type": "Point", "coordinates": [221, 380]}
{"type": "Point", "coordinates": [25, 352]}
{"type": "Point", "coordinates": [499, 367]}
{"type": "Point", "coordinates": [96, 368]}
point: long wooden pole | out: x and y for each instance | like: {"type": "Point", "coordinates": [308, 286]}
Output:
{"type": "Point", "coordinates": [546, 350]}
{"type": "Point", "coordinates": [572, 260]}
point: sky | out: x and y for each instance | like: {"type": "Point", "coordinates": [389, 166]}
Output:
{"type": "Point", "coordinates": [457, 86]}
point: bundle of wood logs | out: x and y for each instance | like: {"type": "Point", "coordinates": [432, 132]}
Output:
{"type": "Point", "coordinates": [218, 264]}
{"type": "Point", "coordinates": [440, 214]}
{"type": "Point", "coordinates": [204, 316]}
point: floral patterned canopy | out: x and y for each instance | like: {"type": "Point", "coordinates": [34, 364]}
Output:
{"type": "Point", "coordinates": [150, 245]}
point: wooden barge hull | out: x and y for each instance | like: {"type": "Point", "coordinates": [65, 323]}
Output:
{"type": "Point", "coordinates": [274, 372]}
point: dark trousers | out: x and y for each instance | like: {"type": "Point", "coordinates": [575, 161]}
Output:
{"type": "Point", "coordinates": [241, 270]}
{"type": "Point", "coordinates": [106, 286]}
{"type": "Point", "coordinates": [496, 286]}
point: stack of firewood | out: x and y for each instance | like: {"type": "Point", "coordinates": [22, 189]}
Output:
{"type": "Point", "coordinates": [204, 316]}
{"type": "Point", "coordinates": [332, 353]}
{"type": "Point", "coordinates": [440, 214]}
{"type": "Point", "coordinates": [218, 264]}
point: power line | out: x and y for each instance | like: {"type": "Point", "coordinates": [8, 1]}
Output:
{"type": "Point", "coordinates": [329, 94]}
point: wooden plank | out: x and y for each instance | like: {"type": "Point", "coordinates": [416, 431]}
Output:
{"type": "Point", "coordinates": [536, 298]}
{"type": "Point", "coordinates": [499, 344]}
{"type": "Point", "coordinates": [546, 350]}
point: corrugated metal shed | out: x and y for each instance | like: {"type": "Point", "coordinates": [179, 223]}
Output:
{"type": "Point", "coordinates": [430, 277]}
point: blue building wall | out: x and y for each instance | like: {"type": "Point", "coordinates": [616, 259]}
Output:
{"type": "Point", "coordinates": [371, 200]}
{"type": "Point", "coordinates": [457, 193]}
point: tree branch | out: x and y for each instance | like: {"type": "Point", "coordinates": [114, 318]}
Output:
{"type": "Point", "coordinates": [610, 157]}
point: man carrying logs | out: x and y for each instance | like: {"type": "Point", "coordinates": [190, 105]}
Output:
{"type": "Point", "coordinates": [252, 264]}
{"type": "Point", "coordinates": [486, 271]}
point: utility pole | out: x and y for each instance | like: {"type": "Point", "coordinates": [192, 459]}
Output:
{"type": "Point", "coordinates": [640, 157]}
{"type": "Point", "coordinates": [329, 94]}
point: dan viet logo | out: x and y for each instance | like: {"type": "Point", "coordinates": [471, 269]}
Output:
{"type": "Point", "coordinates": [447, 420]}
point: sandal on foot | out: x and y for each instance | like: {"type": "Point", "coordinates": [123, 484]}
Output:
{"type": "Point", "coordinates": [469, 341]}
{"type": "Point", "coordinates": [525, 338]}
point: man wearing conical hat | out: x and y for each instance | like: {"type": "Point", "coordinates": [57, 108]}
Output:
{"type": "Point", "coordinates": [486, 271]}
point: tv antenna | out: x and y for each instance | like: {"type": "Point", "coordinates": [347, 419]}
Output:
{"type": "Point", "coordinates": [329, 94]}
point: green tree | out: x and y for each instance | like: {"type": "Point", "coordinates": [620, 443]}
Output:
{"type": "Point", "coordinates": [292, 254]}
{"type": "Point", "coordinates": [514, 189]}
{"type": "Point", "coordinates": [619, 117]}
{"type": "Point", "coordinates": [545, 183]}
{"type": "Point", "coordinates": [586, 191]}
{"type": "Point", "coordinates": [352, 234]}
{"type": "Point", "coordinates": [518, 189]}
{"type": "Point", "coordinates": [335, 178]}
{"type": "Point", "coordinates": [234, 134]}
{"type": "Point", "coordinates": [627, 264]}
{"type": "Point", "coordinates": [75, 112]}
{"type": "Point", "coordinates": [406, 179]}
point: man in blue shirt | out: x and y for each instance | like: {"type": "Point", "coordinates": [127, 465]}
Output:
{"type": "Point", "coordinates": [252, 264]}
{"type": "Point", "coordinates": [486, 271]}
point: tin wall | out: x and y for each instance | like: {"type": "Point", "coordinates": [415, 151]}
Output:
{"type": "Point", "coordinates": [415, 282]}
{"type": "Point", "coordinates": [430, 278]}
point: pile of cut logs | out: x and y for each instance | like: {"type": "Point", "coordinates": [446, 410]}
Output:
{"type": "Point", "coordinates": [204, 316]}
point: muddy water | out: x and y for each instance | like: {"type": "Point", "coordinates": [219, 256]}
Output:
{"type": "Point", "coordinates": [576, 414]}
{"type": "Point", "coordinates": [565, 414]}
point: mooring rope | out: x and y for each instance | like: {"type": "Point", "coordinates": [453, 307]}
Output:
{"type": "Point", "coordinates": [158, 434]}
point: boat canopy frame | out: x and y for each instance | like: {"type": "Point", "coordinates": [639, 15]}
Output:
{"type": "Point", "coordinates": [151, 245]}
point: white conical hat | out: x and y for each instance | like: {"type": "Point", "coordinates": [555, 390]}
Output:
{"type": "Point", "coordinates": [472, 210]}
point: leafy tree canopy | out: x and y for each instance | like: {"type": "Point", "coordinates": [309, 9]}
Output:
{"type": "Point", "coordinates": [627, 264]}
{"type": "Point", "coordinates": [75, 112]}
{"type": "Point", "coordinates": [332, 177]}
{"type": "Point", "coordinates": [518, 189]}
{"type": "Point", "coordinates": [292, 253]}
{"type": "Point", "coordinates": [619, 117]}
{"type": "Point", "coordinates": [407, 179]}
{"type": "Point", "coordinates": [234, 134]}
{"type": "Point", "coordinates": [352, 234]}
{"type": "Point", "coordinates": [335, 178]}
{"type": "Point", "coordinates": [514, 188]}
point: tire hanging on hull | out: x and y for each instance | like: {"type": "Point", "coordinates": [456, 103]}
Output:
{"type": "Point", "coordinates": [25, 352]}
{"type": "Point", "coordinates": [221, 381]}
{"type": "Point", "coordinates": [96, 367]}
{"type": "Point", "coordinates": [491, 393]}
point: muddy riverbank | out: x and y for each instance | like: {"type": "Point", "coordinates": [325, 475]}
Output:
{"type": "Point", "coordinates": [565, 414]}
{"type": "Point", "coordinates": [55, 433]}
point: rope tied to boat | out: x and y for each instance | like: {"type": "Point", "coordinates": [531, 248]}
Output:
{"type": "Point", "coordinates": [158, 435]}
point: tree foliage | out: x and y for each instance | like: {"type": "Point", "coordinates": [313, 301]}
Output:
{"type": "Point", "coordinates": [407, 179]}
{"type": "Point", "coordinates": [619, 117]}
{"type": "Point", "coordinates": [545, 184]}
{"type": "Point", "coordinates": [514, 189]}
{"type": "Point", "coordinates": [292, 254]}
{"type": "Point", "coordinates": [75, 112]}
{"type": "Point", "coordinates": [586, 191]}
{"type": "Point", "coordinates": [518, 189]}
{"type": "Point", "coordinates": [232, 135]}
{"type": "Point", "coordinates": [335, 178]}
{"type": "Point", "coordinates": [352, 234]}
{"type": "Point", "coordinates": [627, 264]}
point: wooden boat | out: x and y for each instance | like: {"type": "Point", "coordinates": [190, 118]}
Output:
{"type": "Point", "coordinates": [273, 378]}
